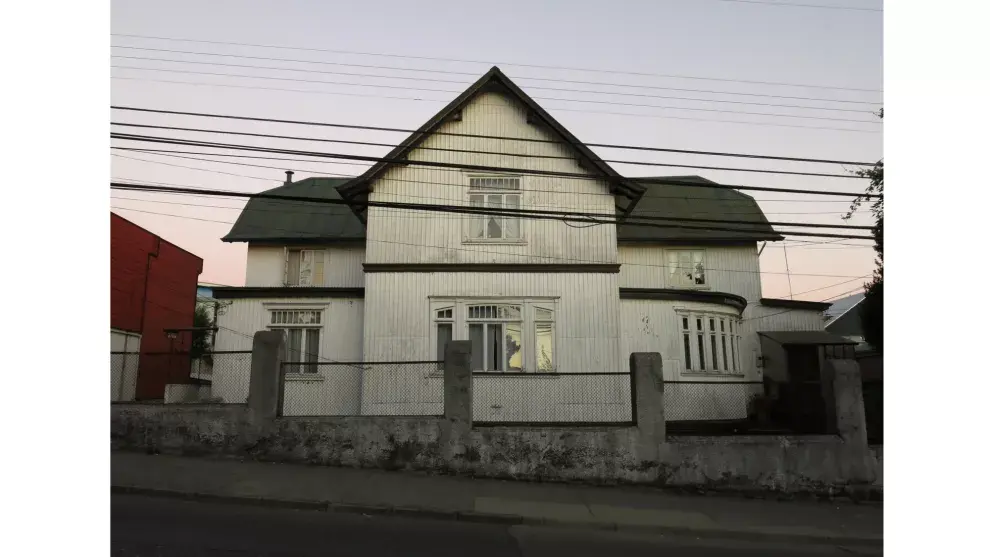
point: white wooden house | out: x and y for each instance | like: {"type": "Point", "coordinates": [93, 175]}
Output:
{"type": "Point", "coordinates": [358, 284]}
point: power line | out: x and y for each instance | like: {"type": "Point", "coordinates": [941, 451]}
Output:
{"type": "Point", "coordinates": [792, 5]}
{"type": "Point", "coordinates": [521, 65]}
{"type": "Point", "coordinates": [480, 168]}
{"type": "Point", "coordinates": [523, 213]}
{"type": "Point", "coordinates": [519, 155]}
{"type": "Point", "coordinates": [528, 87]}
{"type": "Point", "coordinates": [491, 252]}
{"type": "Point", "coordinates": [556, 99]}
{"type": "Point", "coordinates": [757, 318]}
{"type": "Point", "coordinates": [557, 108]}
{"type": "Point", "coordinates": [483, 136]}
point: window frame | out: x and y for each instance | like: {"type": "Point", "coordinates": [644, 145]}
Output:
{"type": "Point", "coordinates": [286, 279]}
{"type": "Point", "coordinates": [712, 350]}
{"type": "Point", "coordinates": [682, 283]}
{"type": "Point", "coordinates": [528, 319]}
{"type": "Point", "coordinates": [486, 192]}
{"type": "Point", "coordinates": [308, 368]}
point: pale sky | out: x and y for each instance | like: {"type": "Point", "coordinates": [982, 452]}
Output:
{"type": "Point", "coordinates": [718, 40]}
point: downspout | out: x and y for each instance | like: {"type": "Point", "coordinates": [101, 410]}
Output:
{"type": "Point", "coordinates": [144, 305]}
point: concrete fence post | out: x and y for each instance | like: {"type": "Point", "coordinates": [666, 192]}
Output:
{"type": "Point", "coordinates": [457, 398]}
{"type": "Point", "coordinates": [646, 369]}
{"type": "Point", "coordinates": [847, 387]}
{"type": "Point", "coordinates": [265, 389]}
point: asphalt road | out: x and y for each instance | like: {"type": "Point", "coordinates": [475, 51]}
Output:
{"type": "Point", "coordinates": [158, 527]}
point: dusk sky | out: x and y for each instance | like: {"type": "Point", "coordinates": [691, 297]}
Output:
{"type": "Point", "coordinates": [723, 45]}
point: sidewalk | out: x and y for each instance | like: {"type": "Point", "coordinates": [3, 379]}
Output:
{"type": "Point", "coordinates": [507, 502]}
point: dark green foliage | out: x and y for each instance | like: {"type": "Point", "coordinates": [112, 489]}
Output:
{"type": "Point", "coordinates": [201, 339]}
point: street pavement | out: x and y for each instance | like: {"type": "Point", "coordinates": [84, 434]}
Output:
{"type": "Point", "coordinates": [148, 526]}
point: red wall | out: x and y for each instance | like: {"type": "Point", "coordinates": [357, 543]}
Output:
{"type": "Point", "coordinates": [152, 288]}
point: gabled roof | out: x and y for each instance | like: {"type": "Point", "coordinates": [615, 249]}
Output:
{"type": "Point", "coordinates": [494, 79]}
{"type": "Point", "coordinates": [279, 221]}
{"type": "Point", "coordinates": [683, 201]}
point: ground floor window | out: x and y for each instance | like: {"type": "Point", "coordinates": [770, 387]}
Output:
{"type": "Point", "coordinates": [709, 342]}
{"type": "Point", "coordinates": [302, 329]}
{"type": "Point", "coordinates": [509, 336]}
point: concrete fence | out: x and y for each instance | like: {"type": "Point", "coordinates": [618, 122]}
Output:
{"type": "Point", "coordinates": [642, 453]}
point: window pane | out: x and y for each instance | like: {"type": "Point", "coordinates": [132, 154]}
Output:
{"type": "Point", "coordinates": [684, 323]}
{"type": "Point", "coordinates": [687, 349]}
{"type": "Point", "coordinates": [312, 349]}
{"type": "Point", "coordinates": [292, 270]}
{"type": "Point", "coordinates": [494, 359]}
{"type": "Point", "coordinates": [543, 314]}
{"type": "Point", "coordinates": [445, 333]}
{"type": "Point", "coordinates": [714, 353]}
{"type": "Point", "coordinates": [494, 227]}
{"type": "Point", "coordinates": [725, 355]}
{"type": "Point", "coordinates": [732, 351]}
{"type": "Point", "coordinates": [476, 334]}
{"type": "Point", "coordinates": [698, 267]}
{"type": "Point", "coordinates": [294, 348]}
{"type": "Point", "coordinates": [701, 349]}
{"type": "Point", "coordinates": [513, 346]}
{"type": "Point", "coordinates": [476, 225]}
{"type": "Point", "coordinates": [306, 268]}
{"type": "Point", "coordinates": [544, 347]}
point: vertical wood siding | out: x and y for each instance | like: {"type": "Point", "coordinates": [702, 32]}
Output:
{"type": "Point", "coordinates": [343, 266]}
{"type": "Point", "coordinates": [734, 270]}
{"type": "Point", "coordinates": [402, 236]}
{"type": "Point", "coordinates": [340, 340]}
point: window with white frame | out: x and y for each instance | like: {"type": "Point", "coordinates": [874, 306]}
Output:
{"type": "Point", "coordinates": [304, 267]}
{"type": "Point", "coordinates": [495, 192]}
{"type": "Point", "coordinates": [686, 268]}
{"type": "Point", "coordinates": [302, 337]}
{"type": "Point", "coordinates": [509, 336]}
{"type": "Point", "coordinates": [709, 342]}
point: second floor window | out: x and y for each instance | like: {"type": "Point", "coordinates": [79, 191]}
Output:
{"type": "Point", "coordinates": [497, 193]}
{"type": "Point", "coordinates": [686, 268]}
{"type": "Point", "coordinates": [304, 267]}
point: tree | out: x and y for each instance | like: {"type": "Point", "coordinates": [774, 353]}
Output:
{"type": "Point", "coordinates": [871, 309]}
{"type": "Point", "coordinates": [201, 344]}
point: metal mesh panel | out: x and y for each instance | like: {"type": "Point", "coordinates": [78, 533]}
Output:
{"type": "Point", "coordinates": [362, 389]}
{"type": "Point", "coordinates": [548, 398]}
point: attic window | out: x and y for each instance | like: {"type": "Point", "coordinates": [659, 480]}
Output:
{"type": "Point", "coordinates": [496, 192]}
{"type": "Point", "coordinates": [686, 269]}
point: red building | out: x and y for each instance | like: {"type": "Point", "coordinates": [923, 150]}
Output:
{"type": "Point", "coordinates": [152, 289]}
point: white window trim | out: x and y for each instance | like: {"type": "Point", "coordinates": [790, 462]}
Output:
{"type": "Point", "coordinates": [285, 265]}
{"type": "Point", "coordinates": [465, 233]}
{"type": "Point", "coordinates": [738, 364]}
{"type": "Point", "coordinates": [321, 326]}
{"type": "Point", "coordinates": [528, 305]}
{"type": "Point", "coordinates": [679, 286]}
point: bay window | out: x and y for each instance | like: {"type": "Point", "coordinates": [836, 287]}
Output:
{"type": "Point", "coordinates": [709, 342]}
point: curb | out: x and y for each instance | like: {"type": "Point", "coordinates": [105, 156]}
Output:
{"type": "Point", "coordinates": [487, 518]}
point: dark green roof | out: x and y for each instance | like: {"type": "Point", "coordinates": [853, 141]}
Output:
{"type": "Point", "coordinates": [684, 201]}
{"type": "Point", "coordinates": [282, 221]}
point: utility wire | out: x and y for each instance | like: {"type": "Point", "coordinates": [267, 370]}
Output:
{"type": "Point", "coordinates": [483, 136]}
{"type": "Point", "coordinates": [491, 252]}
{"type": "Point", "coordinates": [442, 101]}
{"type": "Point", "coordinates": [528, 87]}
{"type": "Point", "coordinates": [556, 99]}
{"type": "Point", "coordinates": [524, 213]}
{"type": "Point", "coordinates": [545, 67]}
{"type": "Point", "coordinates": [481, 168]}
{"type": "Point", "coordinates": [519, 155]}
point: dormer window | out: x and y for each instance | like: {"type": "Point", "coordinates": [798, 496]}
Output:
{"type": "Point", "coordinates": [686, 269]}
{"type": "Point", "coordinates": [496, 192]}
{"type": "Point", "coordinates": [304, 267]}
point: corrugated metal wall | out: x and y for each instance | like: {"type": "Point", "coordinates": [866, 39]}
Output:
{"type": "Point", "coordinates": [402, 236]}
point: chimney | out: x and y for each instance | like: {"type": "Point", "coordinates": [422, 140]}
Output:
{"type": "Point", "coordinates": [288, 176]}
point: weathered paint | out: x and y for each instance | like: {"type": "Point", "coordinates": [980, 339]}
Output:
{"type": "Point", "coordinates": [402, 236]}
{"type": "Point", "coordinates": [343, 266]}
{"type": "Point", "coordinates": [733, 270]}
{"type": "Point", "coordinates": [340, 341]}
